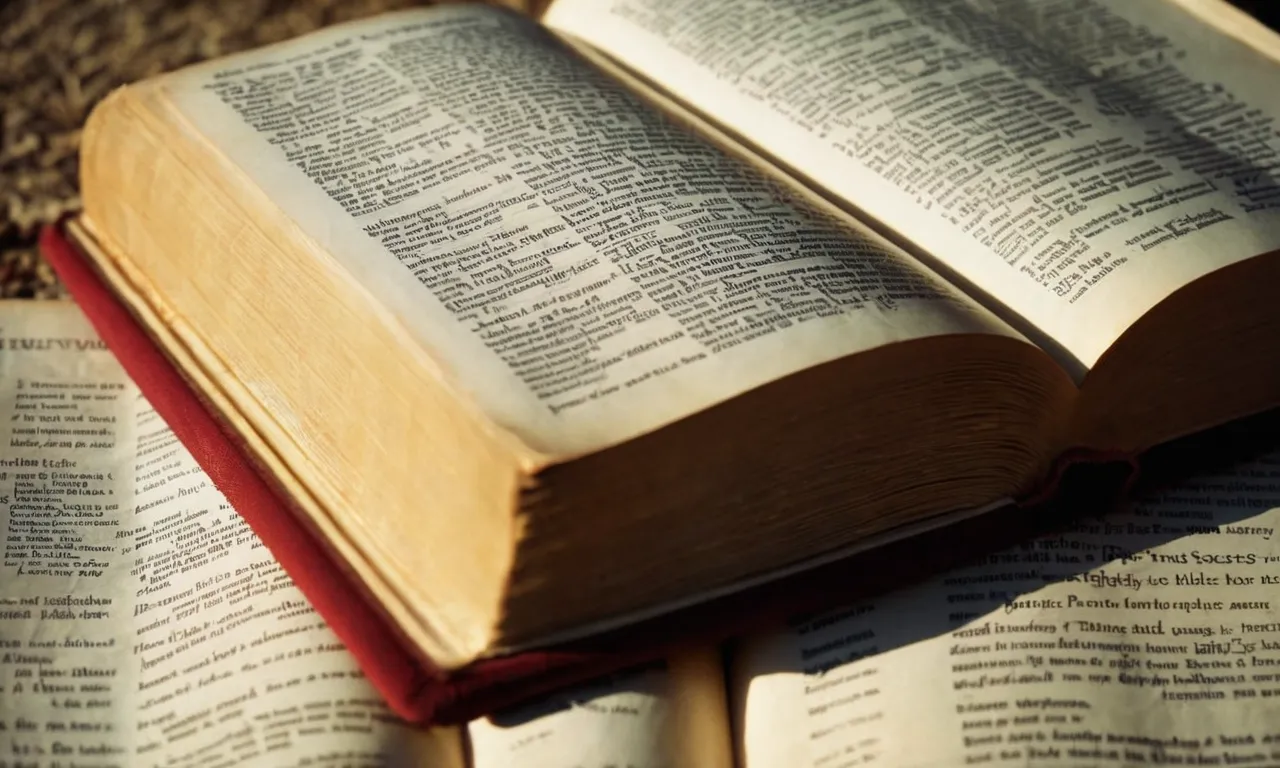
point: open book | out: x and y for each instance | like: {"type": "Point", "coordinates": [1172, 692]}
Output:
{"type": "Point", "coordinates": [1146, 636]}
{"type": "Point", "coordinates": [549, 327]}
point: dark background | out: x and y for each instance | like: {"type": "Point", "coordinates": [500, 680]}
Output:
{"type": "Point", "coordinates": [1267, 11]}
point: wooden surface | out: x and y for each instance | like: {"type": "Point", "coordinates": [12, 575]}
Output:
{"type": "Point", "coordinates": [59, 57]}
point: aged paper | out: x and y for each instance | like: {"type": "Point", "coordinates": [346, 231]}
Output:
{"type": "Point", "coordinates": [1145, 637]}
{"type": "Point", "coordinates": [141, 622]}
{"type": "Point", "coordinates": [66, 671]}
{"type": "Point", "coordinates": [672, 713]}
{"type": "Point", "coordinates": [1076, 161]}
{"type": "Point", "coordinates": [582, 267]}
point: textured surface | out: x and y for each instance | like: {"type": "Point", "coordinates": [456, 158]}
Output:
{"type": "Point", "coordinates": [59, 57]}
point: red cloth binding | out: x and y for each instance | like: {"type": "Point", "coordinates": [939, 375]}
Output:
{"type": "Point", "coordinates": [415, 689]}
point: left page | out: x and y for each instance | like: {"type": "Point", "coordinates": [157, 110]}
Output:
{"type": "Point", "coordinates": [141, 622]}
{"type": "Point", "coordinates": [583, 268]}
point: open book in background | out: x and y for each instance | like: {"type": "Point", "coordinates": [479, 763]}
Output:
{"type": "Point", "coordinates": [141, 622]}
{"type": "Point", "coordinates": [535, 360]}
{"type": "Point", "coordinates": [1143, 636]}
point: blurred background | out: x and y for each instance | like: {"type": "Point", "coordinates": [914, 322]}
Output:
{"type": "Point", "coordinates": [59, 57]}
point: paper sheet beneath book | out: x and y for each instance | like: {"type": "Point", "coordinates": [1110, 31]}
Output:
{"type": "Point", "coordinates": [583, 268]}
{"type": "Point", "coordinates": [141, 621]}
{"type": "Point", "coordinates": [671, 713]}
{"type": "Point", "coordinates": [1078, 161]}
{"type": "Point", "coordinates": [1149, 636]}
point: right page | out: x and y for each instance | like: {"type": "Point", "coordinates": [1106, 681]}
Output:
{"type": "Point", "coordinates": [1150, 636]}
{"type": "Point", "coordinates": [1071, 161]}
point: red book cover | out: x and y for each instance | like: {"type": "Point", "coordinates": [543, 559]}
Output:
{"type": "Point", "coordinates": [421, 692]}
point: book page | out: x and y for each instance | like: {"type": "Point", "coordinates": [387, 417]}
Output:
{"type": "Point", "coordinates": [1074, 160]}
{"type": "Point", "coordinates": [141, 622]}
{"type": "Point", "coordinates": [1149, 636]}
{"type": "Point", "coordinates": [583, 268]}
{"type": "Point", "coordinates": [672, 713]}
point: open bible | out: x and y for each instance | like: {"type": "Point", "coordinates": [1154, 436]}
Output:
{"type": "Point", "coordinates": [548, 328]}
